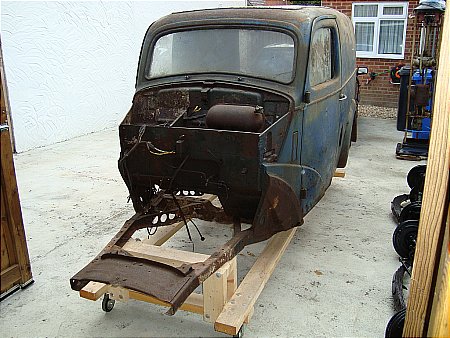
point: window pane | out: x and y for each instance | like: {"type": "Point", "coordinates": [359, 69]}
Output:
{"type": "Point", "coordinates": [259, 53]}
{"type": "Point", "coordinates": [393, 11]}
{"type": "Point", "coordinates": [391, 37]}
{"type": "Point", "coordinates": [364, 36]}
{"type": "Point", "coordinates": [321, 65]}
{"type": "Point", "coordinates": [364, 11]}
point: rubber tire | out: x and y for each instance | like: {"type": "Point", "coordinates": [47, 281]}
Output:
{"type": "Point", "coordinates": [415, 195]}
{"type": "Point", "coordinates": [345, 149]}
{"type": "Point", "coordinates": [410, 212]}
{"type": "Point", "coordinates": [402, 238]}
{"type": "Point", "coordinates": [416, 176]}
{"type": "Point", "coordinates": [354, 133]}
{"type": "Point", "coordinates": [395, 325]}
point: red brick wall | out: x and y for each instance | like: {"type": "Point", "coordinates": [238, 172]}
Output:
{"type": "Point", "coordinates": [378, 92]}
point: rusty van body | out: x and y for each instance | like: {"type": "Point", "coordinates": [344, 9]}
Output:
{"type": "Point", "coordinates": [254, 105]}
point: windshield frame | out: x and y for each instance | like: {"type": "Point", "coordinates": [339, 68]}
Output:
{"type": "Point", "coordinates": [237, 75]}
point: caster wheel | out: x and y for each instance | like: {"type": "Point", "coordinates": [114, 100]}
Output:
{"type": "Point", "coordinates": [395, 325]}
{"type": "Point", "coordinates": [416, 176]}
{"type": "Point", "coordinates": [410, 212]}
{"type": "Point", "coordinates": [404, 239]}
{"type": "Point", "coordinates": [107, 303]}
{"type": "Point", "coordinates": [240, 333]}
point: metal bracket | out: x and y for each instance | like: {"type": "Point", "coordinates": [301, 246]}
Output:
{"type": "Point", "coordinates": [4, 127]}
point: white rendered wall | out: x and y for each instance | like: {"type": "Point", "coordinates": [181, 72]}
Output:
{"type": "Point", "coordinates": [71, 66]}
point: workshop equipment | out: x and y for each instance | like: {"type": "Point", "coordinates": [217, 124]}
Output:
{"type": "Point", "coordinates": [417, 83]}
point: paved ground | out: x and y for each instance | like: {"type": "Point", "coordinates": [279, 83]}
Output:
{"type": "Point", "coordinates": [334, 279]}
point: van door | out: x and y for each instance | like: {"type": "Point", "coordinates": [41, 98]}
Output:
{"type": "Point", "coordinates": [322, 123]}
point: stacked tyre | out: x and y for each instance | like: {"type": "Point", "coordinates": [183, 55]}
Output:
{"type": "Point", "coordinates": [406, 210]}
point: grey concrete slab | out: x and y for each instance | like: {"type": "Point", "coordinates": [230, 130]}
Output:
{"type": "Point", "coordinates": [334, 279]}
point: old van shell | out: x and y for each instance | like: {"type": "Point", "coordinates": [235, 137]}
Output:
{"type": "Point", "coordinates": [268, 149]}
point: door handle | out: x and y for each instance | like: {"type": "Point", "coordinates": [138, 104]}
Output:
{"type": "Point", "coordinates": [4, 127]}
{"type": "Point", "coordinates": [342, 97]}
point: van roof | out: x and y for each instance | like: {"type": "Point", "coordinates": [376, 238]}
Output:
{"type": "Point", "coordinates": [290, 13]}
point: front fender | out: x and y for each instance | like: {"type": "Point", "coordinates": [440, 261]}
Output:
{"type": "Point", "coordinates": [278, 210]}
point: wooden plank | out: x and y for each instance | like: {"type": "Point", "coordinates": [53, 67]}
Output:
{"type": "Point", "coordinates": [163, 234]}
{"type": "Point", "coordinates": [241, 304]}
{"type": "Point", "coordinates": [4, 257]}
{"type": "Point", "coordinates": [194, 303]}
{"type": "Point", "coordinates": [9, 277]}
{"type": "Point", "coordinates": [8, 253]}
{"type": "Point", "coordinates": [250, 315]}
{"type": "Point", "coordinates": [432, 217]}
{"type": "Point", "coordinates": [440, 313]}
{"type": "Point", "coordinates": [169, 256]}
{"type": "Point", "coordinates": [93, 290]}
{"type": "Point", "coordinates": [339, 173]}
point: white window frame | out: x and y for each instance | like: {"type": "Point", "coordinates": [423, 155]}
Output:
{"type": "Point", "coordinates": [376, 20]}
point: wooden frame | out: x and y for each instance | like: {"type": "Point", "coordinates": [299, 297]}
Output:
{"type": "Point", "coordinates": [222, 303]}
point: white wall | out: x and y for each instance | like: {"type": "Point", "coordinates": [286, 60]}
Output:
{"type": "Point", "coordinates": [71, 66]}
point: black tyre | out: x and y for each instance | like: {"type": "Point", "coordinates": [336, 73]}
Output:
{"type": "Point", "coordinates": [345, 149]}
{"type": "Point", "coordinates": [410, 212]}
{"type": "Point", "coordinates": [415, 195]}
{"type": "Point", "coordinates": [416, 176]}
{"type": "Point", "coordinates": [354, 134]}
{"type": "Point", "coordinates": [395, 325]}
{"type": "Point", "coordinates": [404, 239]}
{"type": "Point", "coordinates": [107, 303]}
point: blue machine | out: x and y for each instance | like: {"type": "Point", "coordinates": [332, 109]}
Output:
{"type": "Point", "coordinates": [415, 105]}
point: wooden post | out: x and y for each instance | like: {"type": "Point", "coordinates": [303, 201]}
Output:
{"type": "Point", "coordinates": [434, 205]}
{"type": "Point", "coordinates": [215, 293]}
{"type": "Point", "coordinates": [440, 313]}
{"type": "Point", "coordinates": [240, 307]}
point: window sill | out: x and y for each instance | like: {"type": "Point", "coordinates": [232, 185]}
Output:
{"type": "Point", "coordinates": [383, 56]}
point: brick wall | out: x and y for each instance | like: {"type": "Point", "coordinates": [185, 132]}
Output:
{"type": "Point", "coordinates": [379, 92]}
